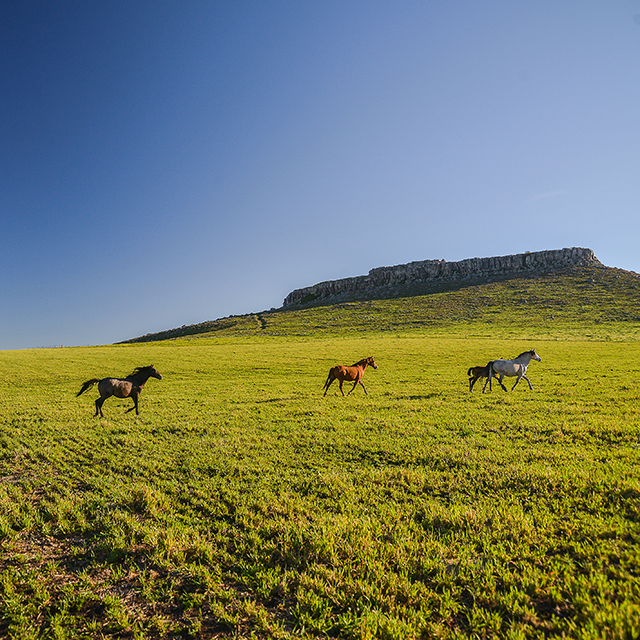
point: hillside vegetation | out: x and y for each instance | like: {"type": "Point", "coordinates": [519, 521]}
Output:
{"type": "Point", "coordinates": [596, 299]}
{"type": "Point", "coordinates": [243, 504]}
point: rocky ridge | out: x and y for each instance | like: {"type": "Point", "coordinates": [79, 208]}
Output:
{"type": "Point", "coordinates": [431, 276]}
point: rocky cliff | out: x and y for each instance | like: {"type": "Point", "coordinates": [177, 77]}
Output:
{"type": "Point", "coordinates": [430, 276]}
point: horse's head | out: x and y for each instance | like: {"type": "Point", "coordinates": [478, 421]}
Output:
{"type": "Point", "coordinates": [154, 372]}
{"type": "Point", "coordinates": [371, 362]}
{"type": "Point", "coordinates": [535, 356]}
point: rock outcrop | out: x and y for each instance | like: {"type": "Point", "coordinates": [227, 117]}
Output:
{"type": "Point", "coordinates": [431, 276]}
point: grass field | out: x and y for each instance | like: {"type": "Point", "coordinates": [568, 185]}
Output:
{"type": "Point", "coordinates": [241, 503]}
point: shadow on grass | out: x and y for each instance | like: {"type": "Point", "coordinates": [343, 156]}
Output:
{"type": "Point", "coordinates": [421, 397]}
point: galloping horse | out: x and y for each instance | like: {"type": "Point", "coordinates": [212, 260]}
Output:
{"type": "Point", "coordinates": [353, 374]}
{"type": "Point", "coordinates": [511, 368]}
{"type": "Point", "coordinates": [475, 373]}
{"type": "Point", "coordinates": [129, 387]}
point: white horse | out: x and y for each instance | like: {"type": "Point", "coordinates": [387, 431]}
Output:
{"type": "Point", "coordinates": [510, 368]}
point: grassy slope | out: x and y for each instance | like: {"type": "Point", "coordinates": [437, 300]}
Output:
{"type": "Point", "coordinates": [242, 502]}
{"type": "Point", "coordinates": [585, 302]}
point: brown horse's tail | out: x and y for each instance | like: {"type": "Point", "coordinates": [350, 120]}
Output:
{"type": "Point", "coordinates": [87, 385]}
{"type": "Point", "coordinates": [330, 379]}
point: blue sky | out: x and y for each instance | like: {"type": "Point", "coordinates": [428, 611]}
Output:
{"type": "Point", "coordinates": [166, 163]}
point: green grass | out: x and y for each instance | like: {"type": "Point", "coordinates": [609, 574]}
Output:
{"type": "Point", "coordinates": [241, 503]}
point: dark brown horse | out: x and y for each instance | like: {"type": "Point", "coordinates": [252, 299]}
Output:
{"type": "Point", "coordinates": [129, 387]}
{"type": "Point", "coordinates": [475, 373]}
{"type": "Point", "coordinates": [353, 374]}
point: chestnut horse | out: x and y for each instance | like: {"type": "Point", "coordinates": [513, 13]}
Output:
{"type": "Point", "coordinates": [353, 374]}
{"type": "Point", "coordinates": [475, 373]}
{"type": "Point", "coordinates": [129, 387]}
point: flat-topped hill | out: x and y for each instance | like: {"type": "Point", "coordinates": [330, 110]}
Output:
{"type": "Point", "coordinates": [431, 276]}
{"type": "Point", "coordinates": [572, 299]}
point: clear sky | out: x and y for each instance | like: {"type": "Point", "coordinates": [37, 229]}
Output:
{"type": "Point", "coordinates": [165, 163]}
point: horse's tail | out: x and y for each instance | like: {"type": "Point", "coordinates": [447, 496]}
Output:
{"type": "Point", "coordinates": [87, 385]}
{"type": "Point", "coordinates": [470, 370]}
{"type": "Point", "coordinates": [329, 380]}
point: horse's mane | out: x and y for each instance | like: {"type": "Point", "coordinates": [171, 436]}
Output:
{"type": "Point", "coordinates": [524, 353]}
{"type": "Point", "coordinates": [140, 369]}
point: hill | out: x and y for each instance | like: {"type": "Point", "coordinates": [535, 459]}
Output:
{"type": "Point", "coordinates": [567, 300]}
{"type": "Point", "coordinates": [433, 276]}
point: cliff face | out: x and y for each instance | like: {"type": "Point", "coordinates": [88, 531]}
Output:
{"type": "Point", "coordinates": [429, 276]}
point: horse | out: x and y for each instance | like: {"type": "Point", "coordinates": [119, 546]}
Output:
{"type": "Point", "coordinates": [353, 374]}
{"type": "Point", "coordinates": [512, 368]}
{"type": "Point", "coordinates": [129, 387]}
{"type": "Point", "coordinates": [475, 373]}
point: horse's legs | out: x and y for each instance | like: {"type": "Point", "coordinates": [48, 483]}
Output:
{"type": "Point", "coordinates": [341, 390]}
{"type": "Point", "coordinates": [472, 381]}
{"type": "Point", "coordinates": [134, 397]}
{"type": "Point", "coordinates": [355, 384]}
{"type": "Point", "coordinates": [365, 390]}
{"type": "Point", "coordinates": [529, 381]}
{"type": "Point", "coordinates": [500, 379]}
{"type": "Point", "coordinates": [105, 393]}
{"type": "Point", "coordinates": [518, 380]}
